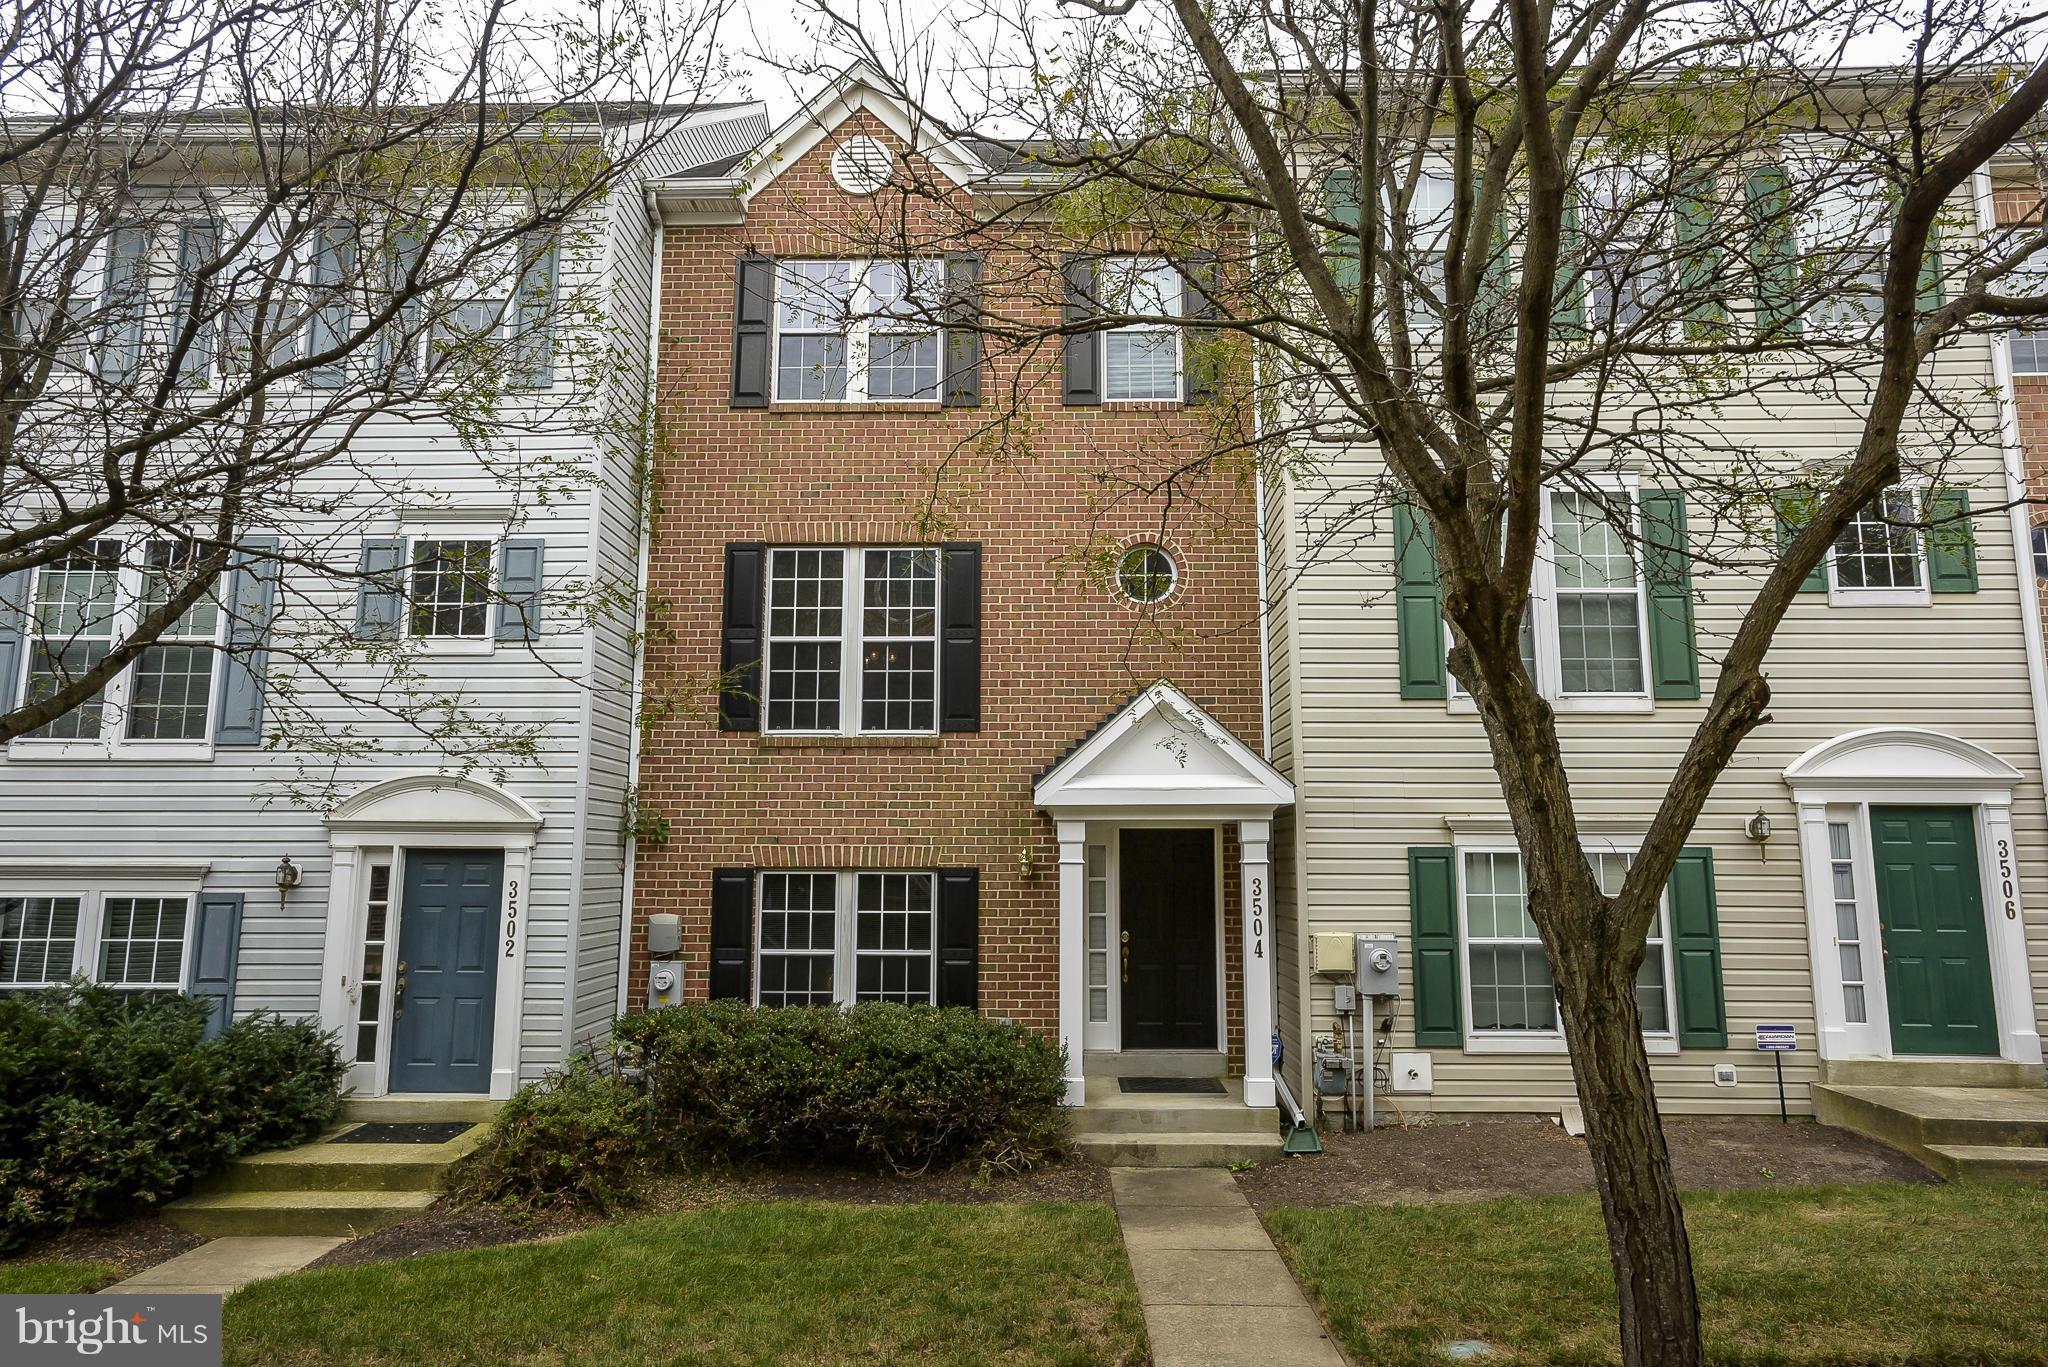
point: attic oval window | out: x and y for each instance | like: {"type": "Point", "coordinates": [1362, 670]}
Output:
{"type": "Point", "coordinates": [861, 166]}
{"type": "Point", "coordinates": [1146, 574]}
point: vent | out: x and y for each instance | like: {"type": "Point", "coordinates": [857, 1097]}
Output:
{"type": "Point", "coordinates": [861, 166]}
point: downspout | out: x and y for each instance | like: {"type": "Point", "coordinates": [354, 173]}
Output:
{"type": "Point", "coordinates": [640, 618]}
{"type": "Point", "coordinates": [2014, 451]}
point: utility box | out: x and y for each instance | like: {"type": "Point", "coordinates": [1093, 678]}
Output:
{"type": "Point", "coordinates": [664, 983]}
{"type": "Point", "coordinates": [1333, 952]}
{"type": "Point", "coordinates": [1332, 1073]}
{"type": "Point", "coordinates": [664, 934]}
{"type": "Point", "coordinates": [1408, 1072]}
{"type": "Point", "coordinates": [1378, 966]}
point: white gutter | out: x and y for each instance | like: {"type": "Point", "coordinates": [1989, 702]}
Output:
{"type": "Point", "coordinates": [2014, 451]}
{"type": "Point", "coordinates": [640, 624]}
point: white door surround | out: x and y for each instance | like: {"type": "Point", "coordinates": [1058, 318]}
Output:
{"type": "Point", "coordinates": [423, 811]}
{"type": "Point", "coordinates": [1838, 781]}
{"type": "Point", "coordinates": [1162, 761]}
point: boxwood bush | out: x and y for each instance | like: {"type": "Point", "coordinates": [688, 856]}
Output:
{"type": "Point", "coordinates": [909, 1087]}
{"type": "Point", "coordinates": [576, 1138]}
{"type": "Point", "coordinates": [111, 1102]}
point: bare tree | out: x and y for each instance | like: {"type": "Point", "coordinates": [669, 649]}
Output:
{"type": "Point", "coordinates": [1516, 250]}
{"type": "Point", "coordinates": [245, 237]}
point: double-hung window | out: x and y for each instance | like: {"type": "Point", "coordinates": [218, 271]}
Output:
{"type": "Point", "coordinates": [1880, 556]}
{"type": "Point", "coordinates": [2028, 338]}
{"type": "Point", "coordinates": [849, 331]}
{"type": "Point", "coordinates": [1846, 236]}
{"type": "Point", "coordinates": [1510, 995]}
{"type": "Point", "coordinates": [1141, 360]}
{"type": "Point", "coordinates": [82, 604]}
{"type": "Point", "coordinates": [843, 937]}
{"type": "Point", "coordinates": [448, 588]}
{"type": "Point", "coordinates": [1622, 222]}
{"type": "Point", "coordinates": [852, 640]}
{"type": "Point", "coordinates": [129, 941]}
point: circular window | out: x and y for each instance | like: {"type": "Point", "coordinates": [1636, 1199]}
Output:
{"type": "Point", "coordinates": [861, 166]}
{"type": "Point", "coordinates": [1146, 574]}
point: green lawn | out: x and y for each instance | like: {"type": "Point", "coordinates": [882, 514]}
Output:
{"type": "Point", "coordinates": [53, 1277]}
{"type": "Point", "coordinates": [1877, 1274]}
{"type": "Point", "coordinates": [769, 1283]}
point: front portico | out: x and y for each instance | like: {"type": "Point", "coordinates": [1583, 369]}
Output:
{"type": "Point", "coordinates": [1142, 805]}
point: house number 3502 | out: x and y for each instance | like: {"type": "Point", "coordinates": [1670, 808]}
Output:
{"type": "Point", "coordinates": [1258, 918]}
{"type": "Point", "coordinates": [2005, 889]}
{"type": "Point", "coordinates": [511, 916]}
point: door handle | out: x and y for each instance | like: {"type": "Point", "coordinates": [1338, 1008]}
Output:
{"type": "Point", "coordinates": [398, 994]}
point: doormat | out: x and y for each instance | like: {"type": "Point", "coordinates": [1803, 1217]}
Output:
{"type": "Point", "coordinates": [1209, 1085]}
{"type": "Point", "coordinates": [408, 1132]}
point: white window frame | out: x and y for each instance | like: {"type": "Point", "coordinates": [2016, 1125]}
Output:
{"type": "Point", "coordinates": [846, 953]}
{"type": "Point", "coordinates": [1550, 1041]}
{"type": "Point", "coordinates": [1634, 186]}
{"type": "Point", "coordinates": [1826, 225]}
{"type": "Point", "coordinates": [1543, 601]}
{"type": "Point", "coordinates": [93, 894]}
{"type": "Point", "coordinates": [1140, 264]}
{"type": "Point", "coordinates": [410, 539]}
{"type": "Point", "coordinates": [113, 741]}
{"type": "Point", "coordinates": [853, 569]}
{"type": "Point", "coordinates": [861, 324]}
{"type": "Point", "coordinates": [1922, 596]}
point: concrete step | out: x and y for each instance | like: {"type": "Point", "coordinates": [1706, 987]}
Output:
{"type": "Point", "coordinates": [1176, 1150]}
{"type": "Point", "coordinates": [1110, 1111]}
{"type": "Point", "coordinates": [1888, 1072]}
{"type": "Point", "coordinates": [417, 1109]}
{"type": "Point", "coordinates": [1989, 1163]}
{"type": "Point", "coordinates": [1914, 1118]}
{"type": "Point", "coordinates": [336, 1213]}
{"type": "Point", "coordinates": [326, 1165]}
{"type": "Point", "coordinates": [1154, 1063]}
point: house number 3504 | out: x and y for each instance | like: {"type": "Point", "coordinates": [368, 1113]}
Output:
{"type": "Point", "coordinates": [1258, 918]}
{"type": "Point", "coordinates": [2005, 889]}
{"type": "Point", "coordinates": [511, 916]}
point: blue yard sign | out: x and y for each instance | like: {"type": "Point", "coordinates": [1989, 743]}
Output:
{"type": "Point", "coordinates": [1777, 1038]}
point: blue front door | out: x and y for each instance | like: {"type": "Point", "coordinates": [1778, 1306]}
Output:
{"type": "Point", "coordinates": [446, 988]}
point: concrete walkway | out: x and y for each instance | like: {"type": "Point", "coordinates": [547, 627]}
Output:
{"type": "Point", "coordinates": [223, 1265]}
{"type": "Point", "coordinates": [1213, 1288]}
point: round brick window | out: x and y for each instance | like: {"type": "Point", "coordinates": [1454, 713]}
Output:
{"type": "Point", "coordinates": [1146, 574]}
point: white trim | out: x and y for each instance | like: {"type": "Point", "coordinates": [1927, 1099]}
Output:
{"type": "Point", "coordinates": [92, 889]}
{"type": "Point", "coordinates": [1919, 596]}
{"type": "Point", "coordinates": [846, 950]}
{"type": "Point", "coordinates": [1843, 778]}
{"type": "Point", "coordinates": [1238, 782]}
{"type": "Point", "coordinates": [853, 638]}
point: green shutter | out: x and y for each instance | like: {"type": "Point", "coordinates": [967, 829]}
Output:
{"type": "Point", "coordinates": [1418, 606]}
{"type": "Point", "coordinates": [1667, 572]}
{"type": "Point", "coordinates": [1569, 315]}
{"type": "Point", "coordinates": [1340, 201]}
{"type": "Point", "coordinates": [1495, 305]}
{"type": "Point", "coordinates": [1699, 265]}
{"type": "Point", "coordinates": [1773, 252]}
{"type": "Point", "coordinates": [1951, 545]}
{"type": "Point", "coordinates": [1930, 271]}
{"type": "Point", "coordinates": [1433, 919]}
{"type": "Point", "coordinates": [1792, 514]}
{"type": "Point", "coordinates": [1696, 952]}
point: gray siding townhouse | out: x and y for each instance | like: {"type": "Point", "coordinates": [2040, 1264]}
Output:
{"type": "Point", "coordinates": [1861, 873]}
{"type": "Point", "coordinates": [146, 847]}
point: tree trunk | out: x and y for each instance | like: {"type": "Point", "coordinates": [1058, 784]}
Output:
{"type": "Point", "coordinates": [1660, 1309]}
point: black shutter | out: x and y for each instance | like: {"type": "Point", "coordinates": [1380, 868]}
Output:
{"type": "Point", "coordinates": [960, 638]}
{"type": "Point", "coordinates": [959, 981]}
{"type": "Point", "coordinates": [216, 944]}
{"type": "Point", "coordinates": [732, 934]}
{"type": "Point", "coordinates": [962, 343]}
{"type": "Point", "coordinates": [1083, 350]}
{"type": "Point", "coordinates": [1204, 366]}
{"type": "Point", "coordinates": [251, 599]}
{"type": "Point", "coordinates": [753, 297]}
{"type": "Point", "coordinates": [739, 655]}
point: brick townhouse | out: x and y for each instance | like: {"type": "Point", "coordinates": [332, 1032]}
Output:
{"type": "Point", "coordinates": [990, 730]}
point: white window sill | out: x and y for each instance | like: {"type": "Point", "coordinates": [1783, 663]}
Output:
{"type": "Point", "coordinates": [1879, 598]}
{"type": "Point", "coordinates": [126, 751]}
{"type": "Point", "coordinates": [1479, 1043]}
{"type": "Point", "coordinates": [456, 646]}
{"type": "Point", "coordinates": [1464, 706]}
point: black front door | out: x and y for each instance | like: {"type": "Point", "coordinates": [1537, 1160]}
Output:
{"type": "Point", "coordinates": [1167, 882]}
{"type": "Point", "coordinates": [445, 994]}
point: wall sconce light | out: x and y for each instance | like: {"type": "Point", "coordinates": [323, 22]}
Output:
{"type": "Point", "coordinates": [1758, 827]}
{"type": "Point", "coordinates": [288, 875]}
{"type": "Point", "coordinates": [1027, 867]}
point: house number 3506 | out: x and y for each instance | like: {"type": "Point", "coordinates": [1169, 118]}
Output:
{"type": "Point", "coordinates": [511, 916]}
{"type": "Point", "coordinates": [2005, 889]}
{"type": "Point", "coordinates": [1258, 918]}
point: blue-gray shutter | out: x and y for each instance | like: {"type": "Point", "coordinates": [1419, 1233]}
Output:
{"type": "Point", "coordinates": [333, 314]}
{"type": "Point", "coordinates": [216, 943]}
{"type": "Point", "coordinates": [753, 303]}
{"type": "Point", "coordinates": [1696, 951]}
{"type": "Point", "coordinates": [520, 560]}
{"type": "Point", "coordinates": [1198, 301]}
{"type": "Point", "coordinates": [959, 939]}
{"type": "Point", "coordinates": [534, 311]}
{"type": "Point", "coordinates": [1082, 352]}
{"type": "Point", "coordinates": [961, 344]}
{"type": "Point", "coordinates": [126, 293]}
{"type": "Point", "coordinates": [732, 935]}
{"type": "Point", "coordinates": [739, 650]}
{"type": "Point", "coordinates": [1433, 924]}
{"type": "Point", "coordinates": [198, 245]}
{"type": "Point", "coordinates": [960, 637]}
{"type": "Point", "coordinates": [250, 599]}
{"type": "Point", "coordinates": [380, 593]}
{"type": "Point", "coordinates": [13, 619]}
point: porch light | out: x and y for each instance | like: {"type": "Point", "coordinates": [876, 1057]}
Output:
{"type": "Point", "coordinates": [1027, 867]}
{"type": "Point", "coordinates": [287, 875]}
{"type": "Point", "coordinates": [1758, 827]}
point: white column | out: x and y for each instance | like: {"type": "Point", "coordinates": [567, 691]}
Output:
{"type": "Point", "coordinates": [2012, 988]}
{"type": "Point", "coordinates": [1074, 954]}
{"type": "Point", "coordinates": [337, 965]}
{"type": "Point", "coordinates": [514, 929]}
{"type": "Point", "coordinates": [1254, 841]}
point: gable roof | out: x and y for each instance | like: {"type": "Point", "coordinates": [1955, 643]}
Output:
{"type": "Point", "coordinates": [1162, 753]}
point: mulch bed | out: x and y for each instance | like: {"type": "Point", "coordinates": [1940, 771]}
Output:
{"type": "Point", "coordinates": [1532, 1156]}
{"type": "Point", "coordinates": [446, 1228]}
{"type": "Point", "coordinates": [133, 1245]}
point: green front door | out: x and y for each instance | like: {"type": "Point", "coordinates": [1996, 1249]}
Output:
{"type": "Point", "coordinates": [1930, 906]}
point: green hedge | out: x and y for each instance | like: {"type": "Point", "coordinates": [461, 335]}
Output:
{"type": "Point", "coordinates": [111, 1102]}
{"type": "Point", "coordinates": [576, 1139]}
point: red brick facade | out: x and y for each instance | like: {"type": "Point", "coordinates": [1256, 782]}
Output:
{"type": "Point", "coordinates": [2017, 205]}
{"type": "Point", "coordinates": [1060, 649]}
